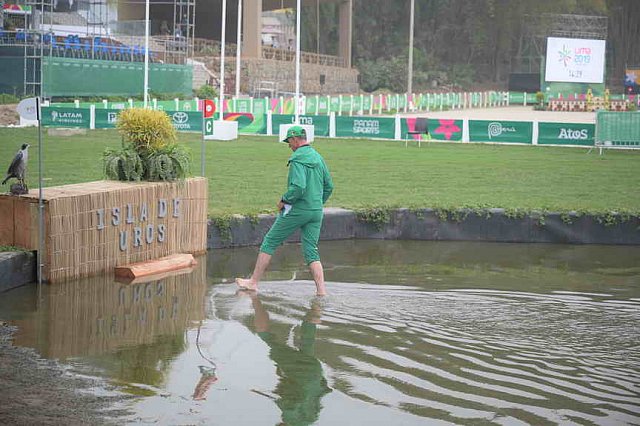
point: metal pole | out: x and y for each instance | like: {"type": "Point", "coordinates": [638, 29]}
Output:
{"type": "Point", "coordinates": [410, 77]}
{"type": "Point", "coordinates": [146, 53]}
{"type": "Point", "coordinates": [40, 200]}
{"type": "Point", "coordinates": [223, 40]}
{"type": "Point", "coordinates": [239, 48]}
{"type": "Point", "coordinates": [298, 62]}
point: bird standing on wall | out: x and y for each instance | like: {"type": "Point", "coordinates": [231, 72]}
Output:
{"type": "Point", "coordinates": [18, 168]}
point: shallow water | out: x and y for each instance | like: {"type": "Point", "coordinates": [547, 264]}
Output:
{"type": "Point", "coordinates": [412, 333]}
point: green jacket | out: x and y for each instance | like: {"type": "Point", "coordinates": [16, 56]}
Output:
{"type": "Point", "coordinates": [309, 184]}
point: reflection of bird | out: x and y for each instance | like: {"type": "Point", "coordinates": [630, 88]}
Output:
{"type": "Point", "coordinates": [18, 166]}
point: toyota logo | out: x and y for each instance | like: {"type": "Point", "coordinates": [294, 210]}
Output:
{"type": "Point", "coordinates": [180, 117]}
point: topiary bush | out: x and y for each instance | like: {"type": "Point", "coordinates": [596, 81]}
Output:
{"type": "Point", "coordinates": [149, 149]}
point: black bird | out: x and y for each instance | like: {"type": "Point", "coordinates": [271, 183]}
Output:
{"type": "Point", "coordinates": [18, 166]}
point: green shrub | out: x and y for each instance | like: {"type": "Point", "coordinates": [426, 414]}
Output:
{"type": "Point", "coordinates": [206, 92]}
{"type": "Point", "coordinates": [123, 164]}
{"type": "Point", "coordinates": [6, 98]}
{"type": "Point", "coordinates": [149, 149]}
{"type": "Point", "coordinates": [145, 129]}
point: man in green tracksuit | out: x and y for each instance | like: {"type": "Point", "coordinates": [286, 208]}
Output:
{"type": "Point", "coordinates": [309, 186]}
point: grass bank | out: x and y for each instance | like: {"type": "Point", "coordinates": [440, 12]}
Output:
{"type": "Point", "coordinates": [248, 176]}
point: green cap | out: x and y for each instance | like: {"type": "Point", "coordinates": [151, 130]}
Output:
{"type": "Point", "coordinates": [295, 131]}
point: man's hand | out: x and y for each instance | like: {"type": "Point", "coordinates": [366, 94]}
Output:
{"type": "Point", "coordinates": [280, 205]}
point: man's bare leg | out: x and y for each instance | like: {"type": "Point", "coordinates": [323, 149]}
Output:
{"type": "Point", "coordinates": [318, 276]}
{"type": "Point", "coordinates": [261, 265]}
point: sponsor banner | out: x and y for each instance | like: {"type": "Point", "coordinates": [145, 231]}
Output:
{"type": "Point", "coordinates": [320, 123]}
{"type": "Point", "coordinates": [439, 129]}
{"type": "Point", "coordinates": [500, 131]}
{"type": "Point", "coordinates": [186, 121]}
{"type": "Point", "coordinates": [365, 127]}
{"type": "Point", "coordinates": [106, 118]}
{"type": "Point", "coordinates": [566, 134]}
{"type": "Point", "coordinates": [247, 123]}
{"type": "Point", "coordinates": [66, 117]}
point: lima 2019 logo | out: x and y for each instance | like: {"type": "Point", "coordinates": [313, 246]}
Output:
{"type": "Point", "coordinates": [579, 56]}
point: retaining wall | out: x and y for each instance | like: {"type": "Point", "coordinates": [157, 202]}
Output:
{"type": "Point", "coordinates": [17, 268]}
{"type": "Point", "coordinates": [494, 225]}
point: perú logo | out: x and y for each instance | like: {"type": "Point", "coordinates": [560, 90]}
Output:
{"type": "Point", "coordinates": [112, 117]}
{"type": "Point", "coordinates": [573, 134]}
{"type": "Point", "coordinates": [496, 129]}
{"type": "Point", "coordinates": [180, 117]}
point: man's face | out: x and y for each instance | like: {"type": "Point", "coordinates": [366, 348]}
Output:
{"type": "Point", "coordinates": [293, 143]}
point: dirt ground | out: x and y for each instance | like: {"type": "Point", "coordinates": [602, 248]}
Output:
{"type": "Point", "coordinates": [8, 115]}
{"type": "Point", "coordinates": [34, 391]}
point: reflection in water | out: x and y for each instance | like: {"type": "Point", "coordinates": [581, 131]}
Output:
{"type": "Point", "coordinates": [301, 383]}
{"type": "Point", "coordinates": [131, 331]}
{"type": "Point", "coordinates": [412, 333]}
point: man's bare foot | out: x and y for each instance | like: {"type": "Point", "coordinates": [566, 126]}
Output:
{"type": "Point", "coordinates": [246, 284]}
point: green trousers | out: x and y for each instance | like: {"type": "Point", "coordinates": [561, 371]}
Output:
{"type": "Point", "coordinates": [308, 221]}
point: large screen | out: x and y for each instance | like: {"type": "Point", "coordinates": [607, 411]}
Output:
{"type": "Point", "coordinates": [575, 60]}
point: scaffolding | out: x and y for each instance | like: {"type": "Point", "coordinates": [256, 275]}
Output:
{"type": "Point", "coordinates": [179, 47]}
{"type": "Point", "coordinates": [36, 30]}
{"type": "Point", "coordinates": [537, 28]}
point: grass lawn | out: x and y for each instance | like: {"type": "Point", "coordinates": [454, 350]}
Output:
{"type": "Point", "coordinates": [248, 176]}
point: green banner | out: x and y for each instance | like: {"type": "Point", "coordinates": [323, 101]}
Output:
{"type": "Point", "coordinates": [334, 104]}
{"type": "Point", "coordinates": [366, 103]}
{"type": "Point", "coordinates": [259, 107]}
{"type": "Point", "coordinates": [323, 105]}
{"type": "Point", "coordinates": [320, 123]}
{"type": "Point", "coordinates": [310, 105]}
{"type": "Point", "coordinates": [566, 134]}
{"type": "Point", "coordinates": [87, 77]}
{"type": "Point", "coordinates": [345, 105]}
{"type": "Point", "coordinates": [500, 131]}
{"type": "Point", "coordinates": [242, 105]}
{"type": "Point", "coordinates": [361, 127]}
{"type": "Point", "coordinates": [106, 118]}
{"type": "Point", "coordinates": [439, 129]}
{"type": "Point", "coordinates": [66, 117]}
{"type": "Point", "coordinates": [185, 121]}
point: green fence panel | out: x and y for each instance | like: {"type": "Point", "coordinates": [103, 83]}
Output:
{"type": "Point", "coordinates": [366, 103]}
{"type": "Point", "coordinates": [357, 103]}
{"type": "Point", "coordinates": [247, 123]}
{"type": "Point", "coordinates": [311, 104]}
{"type": "Point", "coordinates": [500, 131]}
{"type": "Point", "coordinates": [323, 105]}
{"type": "Point", "coordinates": [334, 104]}
{"type": "Point", "coordinates": [320, 122]}
{"type": "Point", "coordinates": [365, 127]}
{"type": "Point", "coordinates": [66, 117]}
{"type": "Point", "coordinates": [160, 105]}
{"type": "Point", "coordinates": [345, 104]}
{"type": "Point", "coordinates": [87, 77]}
{"type": "Point", "coordinates": [516, 98]}
{"type": "Point", "coordinates": [618, 127]}
{"type": "Point", "coordinates": [242, 105]}
{"type": "Point", "coordinates": [439, 129]}
{"type": "Point", "coordinates": [566, 134]}
{"type": "Point", "coordinates": [259, 107]}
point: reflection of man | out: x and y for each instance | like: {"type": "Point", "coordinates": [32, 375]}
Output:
{"type": "Point", "coordinates": [207, 378]}
{"type": "Point", "coordinates": [301, 383]}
